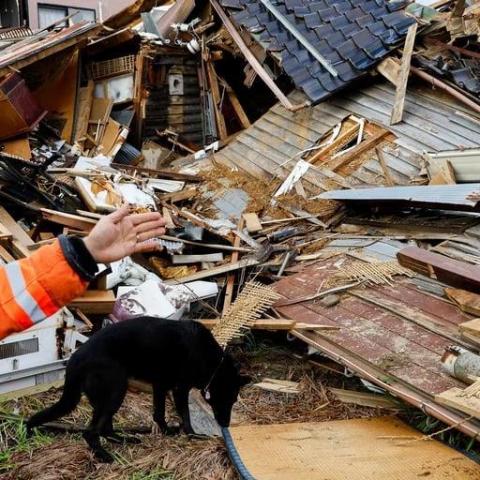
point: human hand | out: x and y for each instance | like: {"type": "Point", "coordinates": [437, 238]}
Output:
{"type": "Point", "coordinates": [121, 234]}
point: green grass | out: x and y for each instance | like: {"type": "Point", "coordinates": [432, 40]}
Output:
{"type": "Point", "coordinates": [13, 439]}
{"type": "Point", "coordinates": [155, 475]}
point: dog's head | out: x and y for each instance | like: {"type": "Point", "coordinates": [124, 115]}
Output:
{"type": "Point", "coordinates": [224, 389]}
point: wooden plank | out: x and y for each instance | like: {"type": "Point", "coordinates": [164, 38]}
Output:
{"type": "Point", "coordinates": [231, 276]}
{"type": "Point", "coordinates": [251, 59]}
{"type": "Point", "coordinates": [20, 239]}
{"type": "Point", "coordinates": [386, 172]}
{"type": "Point", "coordinates": [252, 222]}
{"type": "Point", "coordinates": [185, 194]}
{"type": "Point", "coordinates": [452, 272]}
{"type": "Point", "coordinates": [467, 301]}
{"type": "Point", "coordinates": [74, 221]}
{"type": "Point", "coordinates": [217, 100]}
{"type": "Point", "coordinates": [365, 399]}
{"type": "Point", "coordinates": [371, 332]}
{"type": "Point", "coordinates": [27, 392]}
{"type": "Point", "coordinates": [364, 146]}
{"type": "Point", "coordinates": [390, 69]}
{"type": "Point", "coordinates": [153, 172]}
{"type": "Point", "coordinates": [231, 267]}
{"type": "Point", "coordinates": [456, 398]}
{"type": "Point", "coordinates": [319, 451]}
{"type": "Point", "coordinates": [95, 302]}
{"type": "Point", "coordinates": [471, 327]}
{"type": "Point", "coordinates": [399, 308]}
{"type": "Point", "coordinates": [18, 147]}
{"type": "Point", "coordinates": [445, 174]}
{"type": "Point", "coordinates": [187, 259]}
{"type": "Point", "coordinates": [276, 324]}
{"type": "Point", "coordinates": [279, 386]}
{"type": "Point", "coordinates": [344, 138]}
{"type": "Point", "coordinates": [397, 111]}
{"type": "Point", "coordinates": [237, 107]}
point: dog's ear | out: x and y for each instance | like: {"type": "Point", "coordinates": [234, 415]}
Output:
{"type": "Point", "coordinates": [244, 380]}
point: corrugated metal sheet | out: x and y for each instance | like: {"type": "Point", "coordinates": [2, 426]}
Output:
{"type": "Point", "coordinates": [450, 197]}
{"type": "Point", "coordinates": [430, 124]}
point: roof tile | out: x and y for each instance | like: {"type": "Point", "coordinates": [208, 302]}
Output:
{"type": "Point", "coordinates": [352, 35]}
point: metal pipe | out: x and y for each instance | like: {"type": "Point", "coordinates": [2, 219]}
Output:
{"type": "Point", "coordinates": [447, 88]}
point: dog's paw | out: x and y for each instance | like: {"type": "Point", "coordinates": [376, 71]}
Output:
{"type": "Point", "coordinates": [103, 456]}
{"type": "Point", "coordinates": [171, 430]}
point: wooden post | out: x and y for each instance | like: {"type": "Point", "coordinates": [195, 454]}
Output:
{"type": "Point", "coordinates": [397, 112]}
{"type": "Point", "coordinates": [251, 59]}
{"type": "Point", "coordinates": [231, 277]}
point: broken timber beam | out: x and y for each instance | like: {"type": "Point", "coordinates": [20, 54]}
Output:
{"type": "Point", "coordinates": [74, 221]}
{"type": "Point", "coordinates": [447, 270]}
{"type": "Point", "coordinates": [275, 324]}
{"type": "Point", "coordinates": [231, 276]}
{"type": "Point", "coordinates": [252, 60]}
{"type": "Point", "coordinates": [397, 111]}
{"type": "Point", "coordinates": [231, 267]}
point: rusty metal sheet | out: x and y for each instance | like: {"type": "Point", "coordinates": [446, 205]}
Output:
{"type": "Point", "coordinates": [389, 341]}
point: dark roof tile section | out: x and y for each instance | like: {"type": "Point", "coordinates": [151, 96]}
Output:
{"type": "Point", "coordinates": [353, 35]}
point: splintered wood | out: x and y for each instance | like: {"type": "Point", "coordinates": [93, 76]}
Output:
{"type": "Point", "coordinates": [467, 400]}
{"type": "Point", "coordinates": [380, 273]}
{"type": "Point", "coordinates": [250, 305]}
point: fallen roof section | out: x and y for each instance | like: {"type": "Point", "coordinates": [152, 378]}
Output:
{"type": "Point", "coordinates": [448, 197]}
{"type": "Point", "coordinates": [323, 46]}
{"type": "Point", "coordinates": [392, 335]}
{"type": "Point", "coordinates": [267, 148]}
{"type": "Point", "coordinates": [43, 44]}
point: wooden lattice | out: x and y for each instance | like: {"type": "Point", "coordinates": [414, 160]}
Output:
{"type": "Point", "coordinates": [250, 305]}
{"type": "Point", "coordinates": [370, 273]}
{"type": "Point", "coordinates": [113, 67]}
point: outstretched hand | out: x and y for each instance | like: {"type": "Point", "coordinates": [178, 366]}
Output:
{"type": "Point", "coordinates": [121, 234]}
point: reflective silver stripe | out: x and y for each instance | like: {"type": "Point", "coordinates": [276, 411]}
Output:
{"type": "Point", "coordinates": [21, 294]}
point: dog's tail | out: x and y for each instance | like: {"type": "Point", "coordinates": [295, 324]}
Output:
{"type": "Point", "coordinates": [72, 392]}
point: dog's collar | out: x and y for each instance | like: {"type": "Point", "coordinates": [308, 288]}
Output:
{"type": "Point", "coordinates": [206, 390]}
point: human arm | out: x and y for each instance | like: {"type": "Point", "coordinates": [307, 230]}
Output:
{"type": "Point", "coordinates": [36, 287]}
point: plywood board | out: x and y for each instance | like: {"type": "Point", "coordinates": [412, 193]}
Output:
{"type": "Point", "coordinates": [471, 327]}
{"type": "Point", "coordinates": [95, 302]}
{"type": "Point", "coordinates": [59, 96]}
{"type": "Point", "coordinates": [391, 342]}
{"type": "Point", "coordinates": [361, 449]}
{"type": "Point", "coordinates": [18, 147]}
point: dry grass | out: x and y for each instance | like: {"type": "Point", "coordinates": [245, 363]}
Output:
{"type": "Point", "coordinates": [66, 456]}
{"type": "Point", "coordinates": [314, 403]}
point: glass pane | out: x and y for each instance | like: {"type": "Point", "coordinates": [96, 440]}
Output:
{"type": "Point", "coordinates": [82, 15]}
{"type": "Point", "coordinates": [49, 15]}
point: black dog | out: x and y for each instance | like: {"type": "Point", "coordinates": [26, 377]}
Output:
{"type": "Point", "coordinates": [171, 355]}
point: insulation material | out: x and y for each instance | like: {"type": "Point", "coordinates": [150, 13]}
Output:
{"type": "Point", "coordinates": [360, 449]}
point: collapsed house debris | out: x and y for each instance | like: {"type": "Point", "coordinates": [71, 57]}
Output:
{"type": "Point", "coordinates": [315, 163]}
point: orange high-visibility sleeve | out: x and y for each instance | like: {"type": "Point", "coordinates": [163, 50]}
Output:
{"type": "Point", "coordinates": [35, 288]}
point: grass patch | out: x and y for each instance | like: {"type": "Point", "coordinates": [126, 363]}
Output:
{"type": "Point", "coordinates": [14, 440]}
